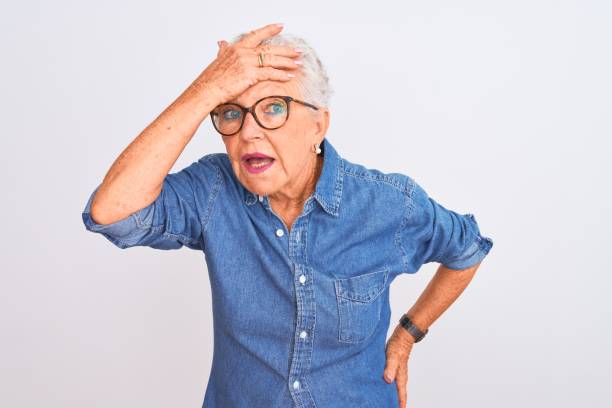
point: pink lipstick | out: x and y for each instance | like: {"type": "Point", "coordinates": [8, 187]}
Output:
{"type": "Point", "coordinates": [257, 162]}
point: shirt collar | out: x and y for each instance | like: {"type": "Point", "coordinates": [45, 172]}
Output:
{"type": "Point", "coordinates": [328, 191]}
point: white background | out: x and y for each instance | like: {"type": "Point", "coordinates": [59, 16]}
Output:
{"type": "Point", "coordinates": [501, 109]}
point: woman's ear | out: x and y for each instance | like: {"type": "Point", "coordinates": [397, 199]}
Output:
{"type": "Point", "coordinates": [322, 124]}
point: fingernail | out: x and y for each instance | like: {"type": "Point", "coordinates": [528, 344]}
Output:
{"type": "Point", "coordinates": [297, 49]}
{"type": "Point", "coordinates": [279, 24]}
{"type": "Point", "coordinates": [290, 75]}
{"type": "Point", "coordinates": [298, 62]}
{"type": "Point", "coordinates": [219, 43]}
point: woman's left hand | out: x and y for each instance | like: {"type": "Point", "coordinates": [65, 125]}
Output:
{"type": "Point", "coordinates": [398, 350]}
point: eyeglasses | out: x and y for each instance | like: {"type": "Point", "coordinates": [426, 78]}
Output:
{"type": "Point", "coordinates": [270, 113]}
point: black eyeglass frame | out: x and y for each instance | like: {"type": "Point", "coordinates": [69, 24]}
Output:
{"type": "Point", "coordinates": [287, 99]}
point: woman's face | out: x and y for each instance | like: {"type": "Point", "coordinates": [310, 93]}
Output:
{"type": "Point", "coordinates": [291, 145]}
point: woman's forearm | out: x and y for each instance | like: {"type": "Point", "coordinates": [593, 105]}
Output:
{"type": "Point", "coordinates": [443, 289]}
{"type": "Point", "coordinates": [136, 177]}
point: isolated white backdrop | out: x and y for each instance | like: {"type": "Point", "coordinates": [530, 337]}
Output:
{"type": "Point", "coordinates": [501, 109]}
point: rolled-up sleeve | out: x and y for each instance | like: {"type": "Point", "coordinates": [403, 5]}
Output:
{"type": "Point", "coordinates": [432, 233]}
{"type": "Point", "coordinates": [178, 216]}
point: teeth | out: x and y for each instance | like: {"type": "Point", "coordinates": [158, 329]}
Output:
{"type": "Point", "coordinates": [257, 163]}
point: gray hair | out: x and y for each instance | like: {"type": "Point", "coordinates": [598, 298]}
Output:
{"type": "Point", "coordinates": [314, 82]}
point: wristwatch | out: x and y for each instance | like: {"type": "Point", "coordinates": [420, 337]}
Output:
{"type": "Point", "coordinates": [407, 324]}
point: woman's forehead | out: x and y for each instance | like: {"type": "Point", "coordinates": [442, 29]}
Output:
{"type": "Point", "coordinates": [266, 88]}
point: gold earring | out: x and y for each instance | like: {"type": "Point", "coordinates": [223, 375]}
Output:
{"type": "Point", "coordinates": [316, 148]}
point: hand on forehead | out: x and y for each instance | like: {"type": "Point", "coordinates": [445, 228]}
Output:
{"type": "Point", "coordinates": [267, 88]}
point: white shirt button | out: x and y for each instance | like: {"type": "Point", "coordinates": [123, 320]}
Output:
{"type": "Point", "coordinates": [302, 279]}
{"type": "Point", "coordinates": [303, 334]}
{"type": "Point", "coordinates": [280, 232]}
{"type": "Point", "coordinates": [296, 384]}
{"type": "Point", "coordinates": [260, 197]}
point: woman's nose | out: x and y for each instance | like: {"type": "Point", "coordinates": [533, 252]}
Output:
{"type": "Point", "coordinates": [250, 127]}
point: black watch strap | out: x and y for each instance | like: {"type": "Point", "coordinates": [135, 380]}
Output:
{"type": "Point", "coordinates": [407, 324]}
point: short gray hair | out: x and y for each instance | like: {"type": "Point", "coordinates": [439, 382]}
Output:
{"type": "Point", "coordinates": [314, 82]}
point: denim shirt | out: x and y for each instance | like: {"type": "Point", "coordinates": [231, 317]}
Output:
{"type": "Point", "coordinates": [301, 317]}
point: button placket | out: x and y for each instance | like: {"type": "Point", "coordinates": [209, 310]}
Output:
{"type": "Point", "coordinates": [306, 316]}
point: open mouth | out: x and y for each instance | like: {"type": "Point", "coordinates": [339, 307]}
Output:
{"type": "Point", "coordinates": [258, 164]}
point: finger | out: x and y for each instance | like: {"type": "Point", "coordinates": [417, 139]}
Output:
{"type": "Point", "coordinates": [276, 61]}
{"type": "Point", "coordinates": [281, 50]}
{"type": "Point", "coordinates": [406, 385]}
{"type": "Point", "coordinates": [221, 45]}
{"type": "Point", "coordinates": [391, 367]}
{"type": "Point", "coordinates": [273, 74]}
{"type": "Point", "coordinates": [401, 385]}
{"type": "Point", "coordinates": [254, 37]}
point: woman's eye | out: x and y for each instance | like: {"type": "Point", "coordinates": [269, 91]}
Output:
{"type": "Point", "coordinates": [231, 114]}
{"type": "Point", "coordinates": [274, 109]}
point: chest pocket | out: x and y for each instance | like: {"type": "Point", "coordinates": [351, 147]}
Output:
{"type": "Point", "coordinates": [360, 304]}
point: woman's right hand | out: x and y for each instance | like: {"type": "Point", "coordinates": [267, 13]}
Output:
{"type": "Point", "coordinates": [236, 67]}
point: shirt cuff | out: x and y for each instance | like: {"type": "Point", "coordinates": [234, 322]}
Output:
{"type": "Point", "coordinates": [122, 232]}
{"type": "Point", "coordinates": [475, 253]}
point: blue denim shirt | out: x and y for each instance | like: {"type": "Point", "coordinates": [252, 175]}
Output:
{"type": "Point", "coordinates": [301, 317]}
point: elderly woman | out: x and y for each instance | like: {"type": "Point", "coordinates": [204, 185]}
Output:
{"type": "Point", "coordinates": [301, 244]}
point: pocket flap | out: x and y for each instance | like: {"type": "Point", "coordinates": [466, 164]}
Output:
{"type": "Point", "coordinates": [363, 288]}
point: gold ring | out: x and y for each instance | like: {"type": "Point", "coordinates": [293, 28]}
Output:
{"type": "Point", "coordinates": [261, 59]}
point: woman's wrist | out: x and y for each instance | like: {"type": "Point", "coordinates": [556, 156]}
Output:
{"type": "Point", "coordinates": [404, 335]}
{"type": "Point", "coordinates": [202, 96]}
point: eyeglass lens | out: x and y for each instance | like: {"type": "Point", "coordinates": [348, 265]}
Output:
{"type": "Point", "coordinates": [271, 113]}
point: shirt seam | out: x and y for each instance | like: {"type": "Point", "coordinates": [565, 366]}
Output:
{"type": "Point", "coordinates": [408, 210]}
{"type": "Point", "coordinates": [212, 200]}
{"type": "Point", "coordinates": [383, 178]}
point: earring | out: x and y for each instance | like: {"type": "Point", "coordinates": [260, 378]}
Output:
{"type": "Point", "coordinates": [316, 148]}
